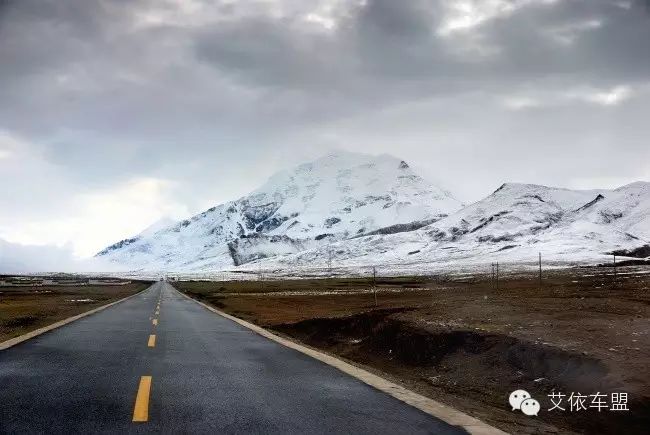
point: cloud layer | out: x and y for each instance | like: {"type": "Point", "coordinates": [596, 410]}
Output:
{"type": "Point", "coordinates": [184, 103]}
{"type": "Point", "coordinates": [18, 259]}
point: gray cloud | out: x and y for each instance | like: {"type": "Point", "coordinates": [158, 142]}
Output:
{"type": "Point", "coordinates": [17, 258]}
{"type": "Point", "coordinates": [217, 95]}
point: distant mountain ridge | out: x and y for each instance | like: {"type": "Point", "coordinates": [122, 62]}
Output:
{"type": "Point", "coordinates": [336, 197]}
{"type": "Point", "coordinates": [514, 223]}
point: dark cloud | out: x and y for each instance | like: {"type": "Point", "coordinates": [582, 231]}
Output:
{"type": "Point", "coordinates": [391, 21]}
{"type": "Point", "coordinates": [87, 65]}
{"type": "Point", "coordinates": [612, 51]}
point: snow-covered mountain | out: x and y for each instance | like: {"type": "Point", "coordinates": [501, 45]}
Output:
{"type": "Point", "coordinates": [513, 224]}
{"type": "Point", "coordinates": [371, 210]}
{"type": "Point", "coordinates": [337, 197]}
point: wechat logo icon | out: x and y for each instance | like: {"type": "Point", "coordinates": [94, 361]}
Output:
{"type": "Point", "coordinates": [523, 401]}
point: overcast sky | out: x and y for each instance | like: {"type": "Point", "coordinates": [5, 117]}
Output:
{"type": "Point", "coordinates": [115, 113]}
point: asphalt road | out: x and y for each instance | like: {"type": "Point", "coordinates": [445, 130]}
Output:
{"type": "Point", "coordinates": [201, 373]}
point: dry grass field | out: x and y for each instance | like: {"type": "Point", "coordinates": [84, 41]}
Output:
{"type": "Point", "coordinates": [25, 308]}
{"type": "Point", "coordinates": [463, 342]}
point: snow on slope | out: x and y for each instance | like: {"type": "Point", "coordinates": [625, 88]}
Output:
{"type": "Point", "coordinates": [157, 226]}
{"type": "Point", "coordinates": [513, 224]}
{"type": "Point", "coordinates": [336, 197]}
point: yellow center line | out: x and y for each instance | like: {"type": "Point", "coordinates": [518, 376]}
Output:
{"type": "Point", "coordinates": [141, 408]}
{"type": "Point", "coordinates": [152, 341]}
{"type": "Point", "coordinates": [155, 322]}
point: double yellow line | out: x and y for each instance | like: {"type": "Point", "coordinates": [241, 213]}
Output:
{"type": "Point", "coordinates": [141, 407]}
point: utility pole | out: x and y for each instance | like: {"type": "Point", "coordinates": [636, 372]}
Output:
{"type": "Point", "coordinates": [497, 276]}
{"type": "Point", "coordinates": [614, 269]}
{"type": "Point", "coordinates": [540, 271]}
{"type": "Point", "coordinates": [329, 258]}
{"type": "Point", "coordinates": [494, 280]}
{"type": "Point", "coordinates": [492, 276]}
{"type": "Point", "coordinates": [374, 283]}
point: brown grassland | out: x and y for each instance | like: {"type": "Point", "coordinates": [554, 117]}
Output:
{"type": "Point", "coordinates": [24, 309]}
{"type": "Point", "coordinates": [467, 344]}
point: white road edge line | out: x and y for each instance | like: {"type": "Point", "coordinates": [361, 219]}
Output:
{"type": "Point", "coordinates": [425, 404]}
{"type": "Point", "coordinates": [16, 340]}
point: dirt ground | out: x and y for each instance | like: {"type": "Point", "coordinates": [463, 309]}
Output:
{"type": "Point", "coordinates": [24, 309]}
{"type": "Point", "coordinates": [461, 341]}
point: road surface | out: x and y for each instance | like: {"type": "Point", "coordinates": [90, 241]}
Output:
{"type": "Point", "coordinates": [159, 362]}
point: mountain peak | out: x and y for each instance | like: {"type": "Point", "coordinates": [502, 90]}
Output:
{"type": "Point", "coordinates": [636, 186]}
{"type": "Point", "coordinates": [344, 158]}
{"type": "Point", "coordinates": [338, 196]}
{"type": "Point", "coordinates": [158, 225]}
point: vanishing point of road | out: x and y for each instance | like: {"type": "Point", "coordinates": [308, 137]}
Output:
{"type": "Point", "coordinates": [159, 362]}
